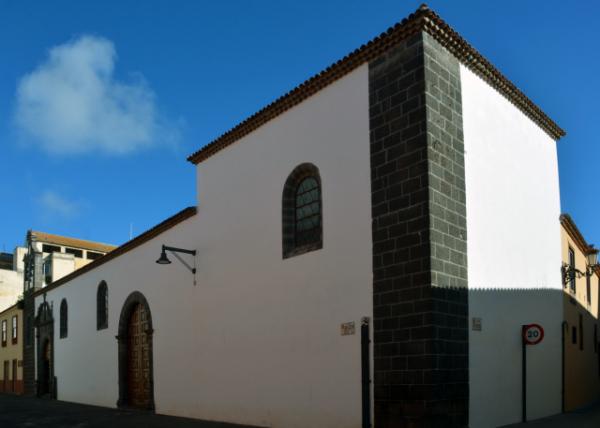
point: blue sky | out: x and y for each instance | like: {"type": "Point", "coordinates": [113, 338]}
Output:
{"type": "Point", "coordinates": [101, 101]}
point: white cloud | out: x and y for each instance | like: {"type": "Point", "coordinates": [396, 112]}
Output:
{"type": "Point", "coordinates": [72, 103]}
{"type": "Point", "coordinates": [53, 204]}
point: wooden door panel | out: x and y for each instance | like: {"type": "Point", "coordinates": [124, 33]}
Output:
{"type": "Point", "coordinates": [138, 361]}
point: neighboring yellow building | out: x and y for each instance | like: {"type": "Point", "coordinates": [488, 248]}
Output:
{"type": "Point", "coordinates": [11, 350]}
{"type": "Point", "coordinates": [581, 365]}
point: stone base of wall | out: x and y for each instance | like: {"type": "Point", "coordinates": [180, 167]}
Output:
{"type": "Point", "coordinates": [12, 387]}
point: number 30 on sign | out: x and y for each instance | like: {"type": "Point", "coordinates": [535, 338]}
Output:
{"type": "Point", "coordinates": [533, 334]}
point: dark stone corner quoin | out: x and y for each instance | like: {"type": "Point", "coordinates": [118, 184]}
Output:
{"type": "Point", "coordinates": [421, 370]}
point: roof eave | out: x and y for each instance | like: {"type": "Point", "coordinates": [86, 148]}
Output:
{"type": "Point", "coordinates": [424, 19]}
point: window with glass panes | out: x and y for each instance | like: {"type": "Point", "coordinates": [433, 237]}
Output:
{"type": "Point", "coordinates": [302, 211]}
{"type": "Point", "coordinates": [15, 327]}
{"type": "Point", "coordinates": [4, 332]}
{"type": "Point", "coordinates": [102, 306]}
{"type": "Point", "coordinates": [572, 270]}
{"type": "Point", "coordinates": [64, 319]}
{"type": "Point", "coordinates": [308, 212]}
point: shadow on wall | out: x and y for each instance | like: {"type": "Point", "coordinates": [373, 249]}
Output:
{"type": "Point", "coordinates": [582, 354]}
{"type": "Point", "coordinates": [496, 317]}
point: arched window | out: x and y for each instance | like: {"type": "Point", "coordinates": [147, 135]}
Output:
{"type": "Point", "coordinates": [64, 318]}
{"type": "Point", "coordinates": [302, 214]}
{"type": "Point", "coordinates": [102, 306]}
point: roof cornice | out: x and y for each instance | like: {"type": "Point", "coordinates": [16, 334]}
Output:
{"type": "Point", "coordinates": [10, 308]}
{"type": "Point", "coordinates": [49, 238]}
{"type": "Point", "coordinates": [572, 230]}
{"type": "Point", "coordinates": [425, 20]}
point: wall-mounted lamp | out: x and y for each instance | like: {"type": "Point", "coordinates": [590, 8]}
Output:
{"type": "Point", "coordinates": [571, 272]}
{"type": "Point", "coordinates": [164, 260]}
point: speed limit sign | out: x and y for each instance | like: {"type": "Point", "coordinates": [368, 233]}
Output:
{"type": "Point", "coordinates": [533, 334]}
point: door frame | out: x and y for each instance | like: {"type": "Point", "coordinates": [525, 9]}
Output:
{"type": "Point", "coordinates": [45, 334]}
{"type": "Point", "coordinates": [134, 299]}
{"type": "Point", "coordinates": [15, 369]}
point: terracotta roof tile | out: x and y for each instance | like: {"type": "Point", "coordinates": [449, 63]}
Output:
{"type": "Point", "coordinates": [71, 242]}
{"type": "Point", "coordinates": [424, 19]}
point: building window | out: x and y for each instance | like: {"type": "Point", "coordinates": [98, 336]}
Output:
{"type": "Point", "coordinates": [64, 319]}
{"type": "Point", "coordinates": [588, 288]}
{"type": "Point", "coordinates": [302, 213]}
{"type": "Point", "coordinates": [91, 255]}
{"type": "Point", "coordinates": [15, 329]}
{"type": "Point", "coordinates": [47, 270]}
{"type": "Point", "coordinates": [50, 248]}
{"type": "Point", "coordinates": [580, 332]}
{"type": "Point", "coordinates": [572, 284]}
{"type": "Point", "coordinates": [102, 306]}
{"type": "Point", "coordinates": [596, 338]}
{"type": "Point", "coordinates": [4, 333]}
{"type": "Point", "coordinates": [75, 252]}
{"type": "Point", "coordinates": [574, 335]}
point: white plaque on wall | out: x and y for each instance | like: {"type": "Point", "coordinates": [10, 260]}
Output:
{"type": "Point", "coordinates": [347, 328]}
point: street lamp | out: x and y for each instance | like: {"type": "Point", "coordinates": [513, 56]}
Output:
{"type": "Point", "coordinates": [164, 260]}
{"type": "Point", "coordinates": [571, 272]}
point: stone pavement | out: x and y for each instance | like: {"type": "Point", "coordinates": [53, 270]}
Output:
{"type": "Point", "coordinates": [584, 418]}
{"type": "Point", "coordinates": [28, 412]}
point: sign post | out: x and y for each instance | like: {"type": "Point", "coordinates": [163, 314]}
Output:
{"type": "Point", "coordinates": [531, 334]}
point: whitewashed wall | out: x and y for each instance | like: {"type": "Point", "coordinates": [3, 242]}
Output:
{"type": "Point", "coordinates": [257, 340]}
{"type": "Point", "coordinates": [11, 287]}
{"type": "Point", "coordinates": [86, 363]}
{"type": "Point", "coordinates": [513, 231]}
{"type": "Point", "coordinates": [297, 371]}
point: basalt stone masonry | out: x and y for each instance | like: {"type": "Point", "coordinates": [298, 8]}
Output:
{"type": "Point", "coordinates": [419, 237]}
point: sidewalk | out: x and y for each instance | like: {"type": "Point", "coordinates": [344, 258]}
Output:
{"type": "Point", "coordinates": [28, 412]}
{"type": "Point", "coordinates": [584, 418]}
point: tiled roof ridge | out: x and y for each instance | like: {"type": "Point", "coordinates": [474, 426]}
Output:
{"type": "Point", "coordinates": [423, 19]}
{"type": "Point", "coordinates": [126, 247]}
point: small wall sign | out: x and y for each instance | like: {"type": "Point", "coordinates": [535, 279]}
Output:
{"type": "Point", "coordinates": [476, 324]}
{"type": "Point", "coordinates": [533, 334]}
{"type": "Point", "coordinates": [347, 328]}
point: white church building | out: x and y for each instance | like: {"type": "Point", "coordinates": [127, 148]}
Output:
{"type": "Point", "coordinates": [364, 252]}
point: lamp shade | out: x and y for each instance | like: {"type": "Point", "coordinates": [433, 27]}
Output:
{"type": "Point", "coordinates": [163, 259]}
{"type": "Point", "coordinates": [592, 257]}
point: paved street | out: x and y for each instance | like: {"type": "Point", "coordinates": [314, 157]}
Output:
{"type": "Point", "coordinates": [586, 418]}
{"type": "Point", "coordinates": [26, 412]}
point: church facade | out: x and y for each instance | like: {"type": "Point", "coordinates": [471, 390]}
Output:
{"type": "Point", "coordinates": [356, 258]}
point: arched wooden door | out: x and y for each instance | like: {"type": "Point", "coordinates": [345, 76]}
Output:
{"type": "Point", "coordinates": [138, 359]}
{"type": "Point", "coordinates": [136, 379]}
{"type": "Point", "coordinates": [45, 368]}
{"type": "Point", "coordinates": [46, 382]}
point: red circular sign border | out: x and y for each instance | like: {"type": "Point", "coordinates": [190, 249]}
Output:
{"type": "Point", "coordinates": [527, 327]}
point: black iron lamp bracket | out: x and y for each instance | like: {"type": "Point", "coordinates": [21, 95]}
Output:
{"type": "Point", "coordinates": [571, 272]}
{"type": "Point", "coordinates": [174, 250]}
